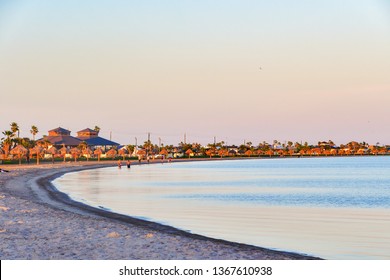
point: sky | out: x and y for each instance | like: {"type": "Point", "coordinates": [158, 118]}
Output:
{"type": "Point", "coordinates": [235, 70]}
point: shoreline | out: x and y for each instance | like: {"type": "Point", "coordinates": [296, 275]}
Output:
{"type": "Point", "coordinates": [55, 227]}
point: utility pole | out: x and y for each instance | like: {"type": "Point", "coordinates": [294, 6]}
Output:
{"type": "Point", "coordinates": [215, 141]}
{"type": "Point", "coordinates": [110, 135]}
{"type": "Point", "coordinates": [185, 138]}
{"type": "Point", "coordinates": [148, 146]}
{"type": "Point", "coordinates": [135, 141]}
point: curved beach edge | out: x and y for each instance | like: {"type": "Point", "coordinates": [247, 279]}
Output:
{"type": "Point", "coordinates": [45, 193]}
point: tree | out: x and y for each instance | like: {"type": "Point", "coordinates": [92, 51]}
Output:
{"type": "Point", "coordinates": [185, 146]}
{"type": "Point", "coordinates": [37, 150]}
{"type": "Point", "coordinates": [44, 143]}
{"type": "Point", "coordinates": [249, 153]}
{"type": "Point", "coordinates": [148, 146]}
{"type": "Point", "coordinates": [82, 146]}
{"type": "Point", "coordinates": [123, 153]}
{"type": "Point", "coordinates": [27, 142]}
{"type": "Point", "coordinates": [210, 152]}
{"type": "Point", "coordinates": [64, 150]}
{"type": "Point", "coordinates": [53, 151]}
{"type": "Point", "coordinates": [75, 152]}
{"type": "Point", "coordinates": [196, 147]}
{"type": "Point", "coordinates": [298, 147]}
{"type": "Point", "coordinates": [15, 128]}
{"type": "Point", "coordinates": [84, 149]}
{"type": "Point", "coordinates": [87, 152]}
{"type": "Point", "coordinates": [111, 153]}
{"type": "Point", "coordinates": [223, 152]}
{"type": "Point", "coordinates": [242, 149]}
{"type": "Point", "coordinates": [189, 152]}
{"type": "Point", "coordinates": [98, 152]}
{"type": "Point", "coordinates": [97, 129]}
{"type": "Point", "coordinates": [130, 149]}
{"type": "Point", "coordinates": [34, 131]}
{"type": "Point", "coordinates": [7, 141]}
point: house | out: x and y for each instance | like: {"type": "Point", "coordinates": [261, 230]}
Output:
{"type": "Point", "coordinates": [92, 138]}
{"type": "Point", "coordinates": [61, 137]}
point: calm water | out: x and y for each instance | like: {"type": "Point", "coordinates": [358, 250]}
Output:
{"type": "Point", "coordinates": [335, 208]}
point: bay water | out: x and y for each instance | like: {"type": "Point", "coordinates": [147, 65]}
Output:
{"type": "Point", "coordinates": [330, 207]}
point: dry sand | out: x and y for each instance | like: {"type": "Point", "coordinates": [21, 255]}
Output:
{"type": "Point", "coordinates": [36, 222]}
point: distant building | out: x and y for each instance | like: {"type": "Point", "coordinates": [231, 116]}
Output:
{"type": "Point", "coordinates": [92, 138]}
{"type": "Point", "coordinates": [60, 137]}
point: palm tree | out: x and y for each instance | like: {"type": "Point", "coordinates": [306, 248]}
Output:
{"type": "Point", "coordinates": [82, 147]}
{"type": "Point", "coordinates": [15, 128]}
{"type": "Point", "coordinates": [38, 151]}
{"type": "Point", "coordinates": [98, 152]}
{"type": "Point", "coordinates": [1, 155]}
{"type": "Point", "coordinates": [75, 152]}
{"type": "Point", "coordinates": [7, 141]}
{"type": "Point", "coordinates": [45, 143]}
{"type": "Point", "coordinates": [27, 142]}
{"type": "Point", "coordinates": [210, 152]}
{"type": "Point", "coordinates": [123, 153]}
{"type": "Point", "coordinates": [88, 152]}
{"type": "Point", "coordinates": [97, 129]}
{"type": "Point", "coordinates": [34, 131]}
{"type": "Point", "coordinates": [223, 152]}
{"type": "Point", "coordinates": [148, 147]}
{"type": "Point", "coordinates": [130, 149]}
{"type": "Point", "coordinates": [64, 151]}
{"type": "Point", "coordinates": [53, 151]}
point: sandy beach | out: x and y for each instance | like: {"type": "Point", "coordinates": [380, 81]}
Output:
{"type": "Point", "coordinates": [36, 222]}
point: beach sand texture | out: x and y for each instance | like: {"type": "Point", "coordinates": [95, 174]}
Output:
{"type": "Point", "coordinates": [33, 225]}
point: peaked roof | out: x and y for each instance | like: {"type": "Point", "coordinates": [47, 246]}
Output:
{"type": "Point", "coordinates": [67, 140]}
{"type": "Point", "coordinates": [98, 141]}
{"type": "Point", "coordinates": [87, 130]}
{"type": "Point", "coordinates": [60, 136]}
{"type": "Point", "coordinates": [60, 130]}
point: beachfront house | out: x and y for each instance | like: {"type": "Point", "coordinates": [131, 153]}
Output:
{"type": "Point", "coordinates": [92, 138]}
{"type": "Point", "coordinates": [60, 137]}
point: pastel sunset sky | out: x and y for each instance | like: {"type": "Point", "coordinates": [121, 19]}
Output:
{"type": "Point", "coordinates": [251, 70]}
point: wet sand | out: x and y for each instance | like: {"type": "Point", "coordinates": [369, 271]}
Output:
{"type": "Point", "coordinates": [37, 222]}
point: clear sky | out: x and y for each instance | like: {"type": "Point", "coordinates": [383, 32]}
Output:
{"type": "Point", "coordinates": [175, 67]}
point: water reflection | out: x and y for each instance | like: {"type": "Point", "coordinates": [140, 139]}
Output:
{"type": "Point", "coordinates": [336, 208]}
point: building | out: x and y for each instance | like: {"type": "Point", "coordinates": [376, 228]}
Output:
{"type": "Point", "coordinates": [61, 137]}
{"type": "Point", "coordinates": [92, 138]}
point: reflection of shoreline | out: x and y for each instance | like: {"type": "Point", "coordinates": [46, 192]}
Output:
{"type": "Point", "coordinates": [38, 222]}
